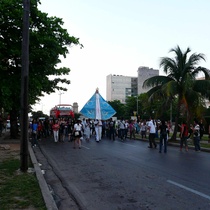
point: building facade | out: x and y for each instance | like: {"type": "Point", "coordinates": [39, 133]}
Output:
{"type": "Point", "coordinates": [143, 74]}
{"type": "Point", "coordinates": [119, 87]}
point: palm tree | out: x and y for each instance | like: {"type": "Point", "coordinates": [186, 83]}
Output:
{"type": "Point", "coordinates": [181, 84]}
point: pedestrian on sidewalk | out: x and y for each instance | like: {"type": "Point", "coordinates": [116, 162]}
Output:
{"type": "Point", "coordinates": [152, 132]}
{"type": "Point", "coordinates": [132, 130]}
{"type": "Point", "coordinates": [196, 133]}
{"type": "Point", "coordinates": [163, 136]}
{"type": "Point", "coordinates": [143, 129]}
{"type": "Point", "coordinates": [184, 136]}
{"type": "Point", "coordinates": [34, 129]}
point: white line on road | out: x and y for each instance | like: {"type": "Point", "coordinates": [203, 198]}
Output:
{"type": "Point", "coordinates": [85, 147]}
{"type": "Point", "coordinates": [128, 144]}
{"type": "Point", "coordinates": [189, 189]}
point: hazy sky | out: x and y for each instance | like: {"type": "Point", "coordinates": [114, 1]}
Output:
{"type": "Point", "coordinates": [121, 35]}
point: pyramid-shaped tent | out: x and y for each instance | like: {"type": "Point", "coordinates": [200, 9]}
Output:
{"type": "Point", "coordinates": [97, 108]}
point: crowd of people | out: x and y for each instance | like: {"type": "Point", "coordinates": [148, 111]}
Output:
{"type": "Point", "coordinates": [64, 129]}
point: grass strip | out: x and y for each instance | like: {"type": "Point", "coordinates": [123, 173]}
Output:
{"type": "Point", "coordinates": [18, 190]}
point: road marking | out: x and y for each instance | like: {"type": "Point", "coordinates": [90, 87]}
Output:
{"type": "Point", "coordinates": [85, 147]}
{"type": "Point", "coordinates": [127, 144]}
{"type": "Point", "coordinates": [189, 189]}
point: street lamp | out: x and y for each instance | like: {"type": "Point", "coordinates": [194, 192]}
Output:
{"type": "Point", "coordinates": [137, 104]}
{"type": "Point", "coordinates": [60, 97]}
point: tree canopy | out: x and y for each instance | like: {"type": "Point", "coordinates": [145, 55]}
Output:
{"type": "Point", "coordinates": [180, 83]}
{"type": "Point", "coordinates": [49, 41]}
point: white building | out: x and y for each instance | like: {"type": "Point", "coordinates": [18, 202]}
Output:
{"type": "Point", "coordinates": [118, 87]}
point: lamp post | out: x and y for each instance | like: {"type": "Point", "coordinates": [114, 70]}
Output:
{"type": "Point", "coordinates": [60, 97]}
{"type": "Point", "coordinates": [137, 104]}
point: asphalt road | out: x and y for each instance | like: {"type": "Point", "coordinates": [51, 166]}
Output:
{"type": "Point", "coordinates": [115, 175]}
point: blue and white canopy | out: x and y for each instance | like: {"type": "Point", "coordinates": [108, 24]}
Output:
{"type": "Point", "coordinates": [97, 108]}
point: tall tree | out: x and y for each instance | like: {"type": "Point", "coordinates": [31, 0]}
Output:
{"type": "Point", "coordinates": [49, 41]}
{"type": "Point", "coordinates": [180, 83]}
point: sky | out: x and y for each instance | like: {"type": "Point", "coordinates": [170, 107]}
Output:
{"type": "Point", "coordinates": [119, 36]}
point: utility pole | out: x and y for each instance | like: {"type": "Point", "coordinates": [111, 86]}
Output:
{"type": "Point", "coordinates": [60, 96]}
{"type": "Point", "coordinates": [137, 104]}
{"type": "Point", "coordinates": [24, 88]}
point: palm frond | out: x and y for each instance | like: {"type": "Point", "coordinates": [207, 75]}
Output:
{"type": "Point", "coordinates": [202, 87]}
{"type": "Point", "coordinates": [155, 81]}
{"type": "Point", "coordinates": [170, 88]}
{"type": "Point", "coordinates": [168, 65]}
{"type": "Point", "coordinates": [203, 70]}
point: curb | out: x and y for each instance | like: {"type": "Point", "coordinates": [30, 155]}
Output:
{"type": "Point", "coordinates": [47, 196]}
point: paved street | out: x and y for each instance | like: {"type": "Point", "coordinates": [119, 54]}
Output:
{"type": "Point", "coordinates": [124, 175]}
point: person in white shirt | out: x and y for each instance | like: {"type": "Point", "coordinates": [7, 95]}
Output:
{"type": "Point", "coordinates": [152, 132]}
{"type": "Point", "coordinates": [77, 134]}
{"type": "Point", "coordinates": [196, 133]}
{"type": "Point", "coordinates": [122, 129]}
{"type": "Point", "coordinates": [126, 129]}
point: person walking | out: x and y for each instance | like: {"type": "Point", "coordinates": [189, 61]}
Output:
{"type": "Point", "coordinates": [87, 130]}
{"type": "Point", "coordinates": [55, 128]}
{"type": "Point", "coordinates": [132, 130]}
{"type": "Point", "coordinates": [126, 129]}
{"type": "Point", "coordinates": [184, 136]}
{"type": "Point", "coordinates": [163, 136]}
{"type": "Point", "coordinates": [196, 134]}
{"type": "Point", "coordinates": [77, 134]}
{"type": "Point", "coordinates": [122, 129]}
{"type": "Point", "coordinates": [143, 129]}
{"type": "Point", "coordinates": [152, 132]}
{"type": "Point", "coordinates": [111, 129]}
{"type": "Point", "coordinates": [34, 129]}
{"type": "Point", "coordinates": [62, 129]}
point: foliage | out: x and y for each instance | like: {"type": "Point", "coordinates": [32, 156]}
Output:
{"type": "Point", "coordinates": [38, 114]}
{"type": "Point", "coordinates": [181, 84]}
{"type": "Point", "coordinates": [18, 191]}
{"type": "Point", "coordinates": [48, 43]}
{"type": "Point", "coordinates": [146, 107]}
{"type": "Point", "coordinates": [118, 107]}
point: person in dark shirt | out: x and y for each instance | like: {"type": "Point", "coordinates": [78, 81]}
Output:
{"type": "Point", "coordinates": [163, 136]}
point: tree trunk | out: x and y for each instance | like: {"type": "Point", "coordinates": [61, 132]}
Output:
{"type": "Point", "coordinates": [13, 124]}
